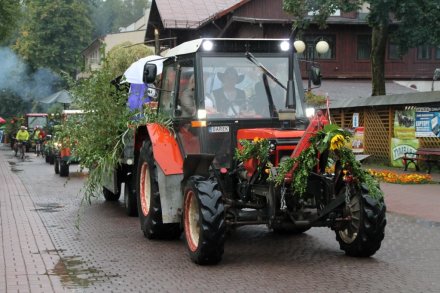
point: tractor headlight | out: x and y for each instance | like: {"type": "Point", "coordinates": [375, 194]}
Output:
{"type": "Point", "coordinates": [207, 45]}
{"type": "Point", "coordinates": [201, 114]}
{"type": "Point", "coordinates": [284, 46]}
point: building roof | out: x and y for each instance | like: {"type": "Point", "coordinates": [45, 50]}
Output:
{"type": "Point", "coordinates": [341, 90]}
{"type": "Point", "coordinates": [193, 13]}
{"type": "Point", "coordinates": [352, 94]}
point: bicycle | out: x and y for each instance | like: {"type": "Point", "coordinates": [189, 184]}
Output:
{"type": "Point", "coordinates": [14, 144]}
{"type": "Point", "coordinates": [38, 147]}
{"type": "Point", "coordinates": [21, 145]}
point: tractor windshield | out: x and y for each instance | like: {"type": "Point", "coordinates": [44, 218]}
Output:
{"type": "Point", "coordinates": [34, 121]}
{"type": "Point", "coordinates": [234, 87]}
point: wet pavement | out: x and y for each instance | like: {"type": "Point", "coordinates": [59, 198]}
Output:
{"type": "Point", "coordinates": [43, 251]}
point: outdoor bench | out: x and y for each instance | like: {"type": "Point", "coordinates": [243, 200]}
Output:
{"type": "Point", "coordinates": [429, 155]}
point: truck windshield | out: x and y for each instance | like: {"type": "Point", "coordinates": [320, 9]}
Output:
{"type": "Point", "coordinates": [234, 88]}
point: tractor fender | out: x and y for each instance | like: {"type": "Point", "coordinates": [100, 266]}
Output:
{"type": "Point", "coordinates": [166, 151]}
{"type": "Point", "coordinates": [197, 164]}
{"type": "Point", "coordinates": [65, 152]}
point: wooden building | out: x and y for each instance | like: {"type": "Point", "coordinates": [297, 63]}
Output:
{"type": "Point", "coordinates": [348, 35]}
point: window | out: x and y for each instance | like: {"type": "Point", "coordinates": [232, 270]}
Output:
{"type": "Point", "coordinates": [424, 52]}
{"type": "Point", "coordinates": [186, 104]}
{"type": "Point", "coordinates": [363, 47]}
{"type": "Point", "coordinates": [393, 51]}
{"type": "Point", "coordinates": [311, 41]}
{"type": "Point", "coordinates": [166, 100]}
{"type": "Point", "coordinates": [437, 53]}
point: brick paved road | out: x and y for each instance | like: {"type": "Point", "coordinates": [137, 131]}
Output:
{"type": "Point", "coordinates": [42, 251]}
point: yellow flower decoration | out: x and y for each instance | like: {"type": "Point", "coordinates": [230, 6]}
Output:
{"type": "Point", "coordinates": [337, 142]}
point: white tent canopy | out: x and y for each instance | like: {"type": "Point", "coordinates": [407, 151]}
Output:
{"type": "Point", "coordinates": [134, 73]}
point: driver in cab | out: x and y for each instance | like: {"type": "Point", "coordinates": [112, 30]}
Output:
{"type": "Point", "coordinates": [229, 99]}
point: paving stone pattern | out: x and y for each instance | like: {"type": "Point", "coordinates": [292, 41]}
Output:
{"type": "Point", "coordinates": [42, 251]}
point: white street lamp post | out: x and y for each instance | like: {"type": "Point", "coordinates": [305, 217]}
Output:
{"type": "Point", "coordinates": [322, 47]}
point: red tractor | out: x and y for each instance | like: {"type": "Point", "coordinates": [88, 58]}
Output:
{"type": "Point", "coordinates": [186, 177]}
{"type": "Point", "coordinates": [33, 120]}
{"type": "Point", "coordinates": [64, 153]}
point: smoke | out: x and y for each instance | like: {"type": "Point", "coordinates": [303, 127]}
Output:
{"type": "Point", "coordinates": [15, 76]}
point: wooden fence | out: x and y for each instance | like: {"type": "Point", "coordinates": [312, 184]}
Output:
{"type": "Point", "coordinates": [378, 123]}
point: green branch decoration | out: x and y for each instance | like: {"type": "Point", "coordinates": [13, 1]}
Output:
{"type": "Point", "coordinates": [258, 148]}
{"type": "Point", "coordinates": [332, 139]}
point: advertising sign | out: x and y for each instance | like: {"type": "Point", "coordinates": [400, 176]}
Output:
{"type": "Point", "coordinates": [355, 120]}
{"type": "Point", "coordinates": [401, 146]}
{"type": "Point", "coordinates": [357, 144]}
{"type": "Point", "coordinates": [404, 126]}
{"type": "Point", "coordinates": [427, 124]}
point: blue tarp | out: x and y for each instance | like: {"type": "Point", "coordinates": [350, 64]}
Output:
{"type": "Point", "coordinates": [137, 96]}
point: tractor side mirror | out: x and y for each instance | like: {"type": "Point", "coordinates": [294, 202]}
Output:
{"type": "Point", "coordinates": [150, 71]}
{"type": "Point", "coordinates": [315, 74]}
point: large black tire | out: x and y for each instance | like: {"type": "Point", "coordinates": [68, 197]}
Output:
{"type": "Point", "coordinates": [204, 220]}
{"type": "Point", "coordinates": [110, 196]}
{"type": "Point", "coordinates": [56, 166]}
{"type": "Point", "coordinates": [51, 159]}
{"type": "Point", "coordinates": [130, 200]}
{"type": "Point", "coordinates": [64, 168]}
{"type": "Point", "coordinates": [363, 235]}
{"type": "Point", "coordinates": [148, 198]}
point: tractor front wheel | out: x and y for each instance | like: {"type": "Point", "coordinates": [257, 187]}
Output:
{"type": "Point", "coordinates": [204, 220]}
{"type": "Point", "coordinates": [148, 198]}
{"type": "Point", "coordinates": [363, 234]}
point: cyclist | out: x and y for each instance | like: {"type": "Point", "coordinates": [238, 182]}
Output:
{"type": "Point", "coordinates": [22, 137]}
{"type": "Point", "coordinates": [38, 139]}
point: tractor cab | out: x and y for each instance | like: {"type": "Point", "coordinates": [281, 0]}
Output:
{"type": "Point", "coordinates": [215, 88]}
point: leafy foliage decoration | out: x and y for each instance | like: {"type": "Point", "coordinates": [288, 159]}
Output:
{"type": "Point", "coordinates": [258, 148]}
{"type": "Point", "coordinates": [331, 138]}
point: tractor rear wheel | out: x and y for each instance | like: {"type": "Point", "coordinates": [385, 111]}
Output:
{"type": "Point", "coordinates": [148, 198]}
{"type": "Point", "coordinates": [110, 196]}
{"type": "Point", "coordinates": [363, 235]}
{"type": "Point", "coordinates": [64, 168]}
{"type": "Point", "coordinates": [56, 166]}
{"type": "Point", "coordinates": [204, 220]}
{"type": "Point", "coordinates": [130, 200]}
{"type": "Point", "coordinates": [52, 159]}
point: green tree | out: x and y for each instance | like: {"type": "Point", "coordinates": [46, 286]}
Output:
{"type": "Point", "coordinates": [54, 34]}
{"type": "Point", "coordinates": [122, 56]}
{"type": "Point", "coordinates": [108, 16]}
{"type": "Point", "coordinates": [10, 12]}
{"type": "Point", "coordinates": [12, 105]}
{"type": "Point", "coordinates": [408, 23]}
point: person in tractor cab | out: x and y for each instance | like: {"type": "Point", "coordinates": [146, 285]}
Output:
{"type": "Point", "coordinates": [229, 99]}
{"type": "Point", "coordinates": [186, 100]}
